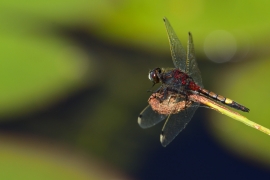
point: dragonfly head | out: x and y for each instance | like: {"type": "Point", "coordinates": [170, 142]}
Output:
{"type": "Point", "coordinates": [154, 75]}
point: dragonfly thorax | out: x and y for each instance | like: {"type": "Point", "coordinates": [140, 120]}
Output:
{"type": "Point", "coordinates": [154, 75]}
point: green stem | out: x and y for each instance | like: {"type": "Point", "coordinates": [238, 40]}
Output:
{"type": "Point", "coordinates": [228, 112]}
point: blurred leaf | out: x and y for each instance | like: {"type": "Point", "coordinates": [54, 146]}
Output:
{"type": "Point", "coordinates": [139, 23]}
{"type": "Point", "coordinates": [64, 11]}
{"type": "Point", "coordinates": [26, 158]}
{"type": "Point", "coordinates": [36, 70]}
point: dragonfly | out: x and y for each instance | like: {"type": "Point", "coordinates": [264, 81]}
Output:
{"type": "Point", "coordinates": [179, 82]}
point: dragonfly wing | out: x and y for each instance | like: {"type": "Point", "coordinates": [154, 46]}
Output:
{"type": "Point", "coordinates": [177, 50]}
{"type": "Point", "coordinates": [149, 118]}
{"type": "Point", "coordinates": [191, 64]}
{"type": "Point", "coordinates": [175, 123]}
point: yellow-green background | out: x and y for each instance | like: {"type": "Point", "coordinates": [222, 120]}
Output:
{"type": "Point", "coordinates": [73, 79]}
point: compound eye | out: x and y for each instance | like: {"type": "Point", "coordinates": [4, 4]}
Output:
{"type": "Point", "coordinates": [153, 75]}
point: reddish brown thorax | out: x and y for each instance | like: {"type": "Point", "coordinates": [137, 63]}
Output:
{"type": "Point", "coordinates": [179, 76]}
{"type": "Point", "coordinates": [185, 80]}
{"type": "Point", "coordinates": [193, 86]}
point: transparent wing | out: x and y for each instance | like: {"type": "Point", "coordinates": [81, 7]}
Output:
{"type": "Point", "coordinates": [175, 123]}
{"type": "Point", "coordinates": [149, 118]}
{"type": "Point", "coordinates": [177, 50]}
{"type": "Point", "coordinates": [191, 64]}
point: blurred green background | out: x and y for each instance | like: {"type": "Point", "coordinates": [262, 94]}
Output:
{"type": "Point", "coordinates": [74, 79]}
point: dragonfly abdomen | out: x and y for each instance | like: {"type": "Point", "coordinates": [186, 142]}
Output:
{"type": "Point", "coordinates": [224, 100]}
